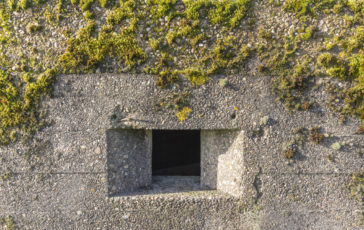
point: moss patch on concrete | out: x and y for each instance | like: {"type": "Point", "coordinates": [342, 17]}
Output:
{"type": "Point", "coordinates": [356, 187]}
{"type": "Point", "coordinates": [20, 103]}
{"type": "Point", "coordinates": [174, 40]}
{"type": "Point", "coordinates": [7, 222]}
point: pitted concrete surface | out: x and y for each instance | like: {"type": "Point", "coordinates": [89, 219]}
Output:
{"type": "Point", "coordinates": [60, 179]}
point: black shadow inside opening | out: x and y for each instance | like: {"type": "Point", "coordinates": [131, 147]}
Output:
{"type": "Point", "coordinates": [176, 153]}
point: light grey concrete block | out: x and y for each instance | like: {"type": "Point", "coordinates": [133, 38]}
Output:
{"type": "Point", "coordinates": [128, 160]}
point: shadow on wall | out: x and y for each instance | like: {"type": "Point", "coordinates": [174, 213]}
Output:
{"type": "Point", "coordinates": [222, 165]}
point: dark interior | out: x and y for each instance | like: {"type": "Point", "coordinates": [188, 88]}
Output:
{"type": "Point", "coordinates": [176, 153]}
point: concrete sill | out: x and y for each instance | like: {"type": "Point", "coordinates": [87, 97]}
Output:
{"type": "Point", "coordinates": [174, 187]}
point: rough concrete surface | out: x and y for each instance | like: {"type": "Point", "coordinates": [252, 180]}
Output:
{"type": "Point", "coordinates": [61, 179]}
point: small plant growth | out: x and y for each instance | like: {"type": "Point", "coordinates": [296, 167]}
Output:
{"type": "Point", "coordinates": [315, 135]}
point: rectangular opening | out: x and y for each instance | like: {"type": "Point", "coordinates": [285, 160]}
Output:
{"type": "Point", "coordinates": [145, 162]}
{"type": "Point", "coordinates": [176, 153]}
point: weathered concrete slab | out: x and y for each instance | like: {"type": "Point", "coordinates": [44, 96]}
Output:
{"type": "Point", "coordinates": [222, 160]}
{"type": "Point", "coordinates": [214, 144]}
{"type": "Point", "coordinates": [129, 157]}
{"type": "Point", "coordinates": [60, 179]}
{"type": "Point", "coordinates": [91, 100]}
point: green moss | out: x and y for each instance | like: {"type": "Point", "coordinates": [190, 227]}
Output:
{"type": "Point", "coordinates": [227, 13]}
{"type": "Point", "coordinates": [88, 15]}
{"type": "Point", "coordinates": [329, 45]}
{"type": "Point", "coordinates": [361, 129]}
{"type": "Point", "coordinates": [79, 58]}
{"type": "Point", "coordinates": [338, 72]}
{"type": "Point", "coordinates": [21, 4]}
{"type": "Point", "coordinates": [37, 2]}
{"type": "Point", "coordinates": [11, 4]}
{"type": "Point", "coordinates": [292, 81]}
{"type": "Point", "coordinates": [35, 90]}
{"type": "Point", "coordinates": [226, 55]}
{"type": "Point", "coordinates": [79, 55]}
{"type": "Point", "coordinates": [19, 109]}
{"type": "Point", "coordinates": [300, 7]}
{"type": "Point", "coordinates": [356, 6]}
{"type": "Point", "coordinates": [170, 37]}
{"type": "Point", "coordinates": [24, 4]}
{"type": "Point", "coordinates": [348, 65]}
{"type": "Point", "coordinates": [104, 3]}
{"type": "Point", "coordinates": [308, 33]}
{"type": "Point", "coordinates": [86, 4]}
{"type": "Point", "coordinates": [304, 8]}
{"type": "Point", "coordinates": [185, 44]}
{"type": "Point", "coordinates": [7, 222]}
{"type": "Point", "coordinates": [10, 105]}
{"type": "Point", "coordinates": [162, 8]}
{"type": "Point", "coordinates": [276, 3]}
{"type": "Point", "coordinates": [196, 76]}
{"type": "Point", "coordinates": [183, 114]}
{"type": "Point", "coordinates": [166, 77]}
{"type": "Point", "coordinates": [334, 66]}
{"type": "Point", "coordinates": [86, 52]}
{"type": "Point", "coordinates": [356, 186]}
{"type": "Point", "coordinates": [118, 15]}
{"type": "Point", "coordinates": [176, 101]}
{"type": "Point", "coordinates": [154, 44]}
{"type": "Point", "coordinates": [356, 66]}
{"type": "Point", "coordinates": [265, 34]}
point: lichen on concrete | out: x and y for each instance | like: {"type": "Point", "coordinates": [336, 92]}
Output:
{"type": "Point", "coordinates": [287, 73]}
{"type": "Point", "coordinates": [188, 39]}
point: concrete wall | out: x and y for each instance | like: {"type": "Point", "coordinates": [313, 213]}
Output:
{"type": "Point", "coordinates": [222, 160]}
{"type": "Point", "coordinates": [60, 179]}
